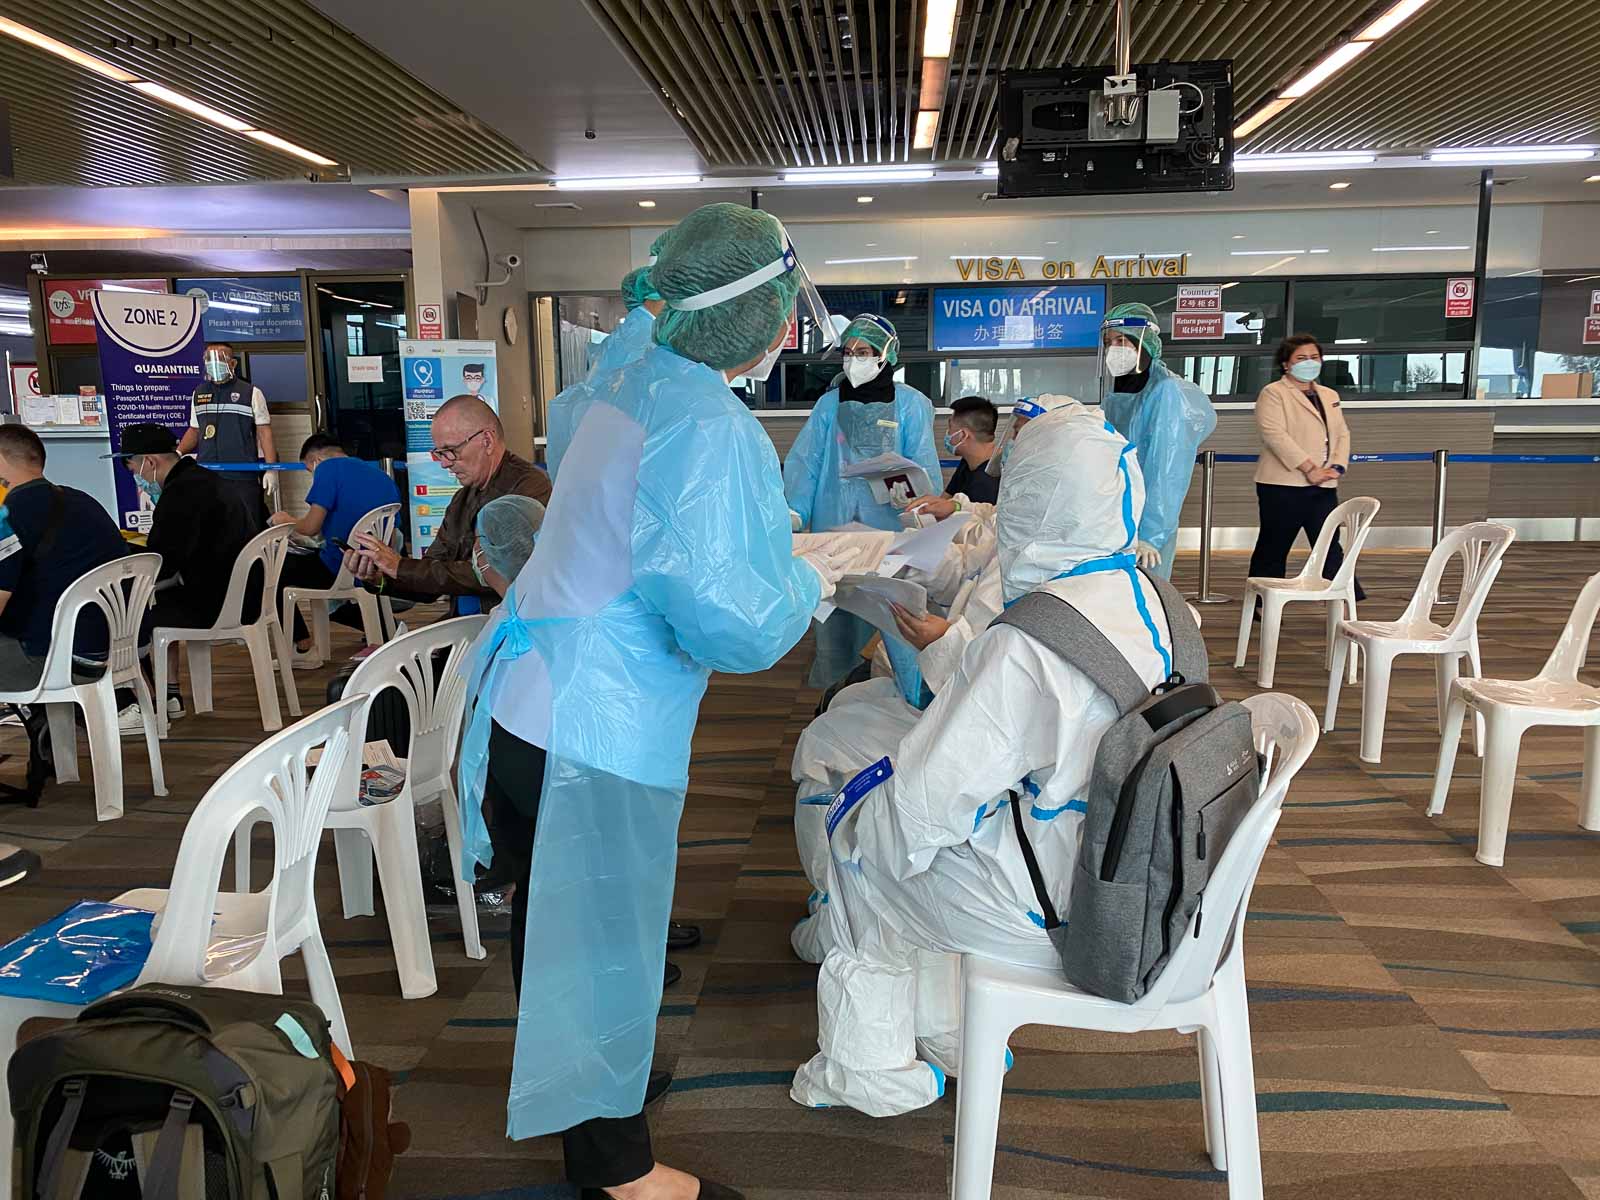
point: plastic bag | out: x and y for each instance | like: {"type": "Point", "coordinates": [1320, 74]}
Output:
{"type": "Point", "coordinates": [87, 952]}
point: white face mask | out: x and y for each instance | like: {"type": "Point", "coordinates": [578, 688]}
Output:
{"type": "Point", "coordinates": [1121, 360]}
{"type": "Point", "coordinates": [762, 369]}
{"type": "Point", "coordinates": [862, 370]}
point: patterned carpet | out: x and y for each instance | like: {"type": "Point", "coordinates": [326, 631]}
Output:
{"type": "Point", "coordinates": [1423, 1025]}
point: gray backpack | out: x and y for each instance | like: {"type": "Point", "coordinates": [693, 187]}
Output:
{"type": "Point", "coordinates": [1173, 777]}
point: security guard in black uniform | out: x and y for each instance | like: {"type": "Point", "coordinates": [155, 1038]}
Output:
{"type": "Point", "coordinates": [228, 423]}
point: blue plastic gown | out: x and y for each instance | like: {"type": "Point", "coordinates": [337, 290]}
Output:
{"type": "Point", "coordinates": [1166, 423]}
{"type": "Point", "coordinates": [665, 555]}
{"type": "Point", "coordinates": [625, 344]}
{"type": "Point", "coordinates": [839, 432]}
{"type": "Point", "coordinates": [502, 641]}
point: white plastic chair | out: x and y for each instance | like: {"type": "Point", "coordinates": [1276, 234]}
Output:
{"type": "Point", "coordinates": [121, 589]}
{"type": "Point", "coordinates": [1482, 547]}
{"type": "Point", "coordinates": [376, 622]}
{"type": "Point", "coordinates": [267, 548]}
{"type": "Point", "coordinates": [1509, 708]}
{"type": "Point", "coordinates": [426, 667]}
{"type": "Point", "coordinates": [1354, 519]}
{"type": "Point", "coordinates": [1201, 990]}
{"type": "Point", "coordinates": [207, 938]}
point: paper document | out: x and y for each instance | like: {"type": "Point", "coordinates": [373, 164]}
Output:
{"type": "Point", "coordinates": [870, 596]}
{"type": "Point", "coordinates": [868, 546]}
{"type": "Point", "coordinates": [373, 754]}
{"type": "Point", "coordinates": [924, 549]}
{"type": "Point", "coordinates": [891, 476]}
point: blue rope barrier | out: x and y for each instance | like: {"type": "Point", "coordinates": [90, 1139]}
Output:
{"type": "Point", "coordinates": [1421, 457]}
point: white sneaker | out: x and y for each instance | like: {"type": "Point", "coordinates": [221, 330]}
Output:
{"type": "Point", "coordinates": [130, 721]}
{"type": "Point", "coordinates": [174, 706]}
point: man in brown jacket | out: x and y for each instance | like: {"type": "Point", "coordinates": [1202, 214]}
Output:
{"type": "Point", "coordinates": [469, 441]}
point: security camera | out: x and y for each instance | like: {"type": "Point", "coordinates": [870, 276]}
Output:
{"type": "Point", "coordinates": [509, 261]}
{"type": "Point", "coordinates": [38, 263]}
{"type": "Point", "coordinates": [590, 134]}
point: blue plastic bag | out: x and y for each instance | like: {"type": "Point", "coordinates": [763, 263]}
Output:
{"type": "Point", "coordinates": [87, 952]}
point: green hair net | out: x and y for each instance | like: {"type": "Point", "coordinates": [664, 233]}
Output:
{"type": "Point", "coordinates": [1152, 335]}
{"type": "Point", "coordinates": [660, 244]}
{"type": "Point", "coordinates": [876, 332]}
{"type": "Point", "coordinates": [506, 528]}
{"type": "Point", "coordinates": [713, 246]}
{"type": "Point", "coordinates": [637, 288]}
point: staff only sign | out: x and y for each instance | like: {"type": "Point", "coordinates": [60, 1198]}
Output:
{"type": "Point", "coordinates": [150, 354]}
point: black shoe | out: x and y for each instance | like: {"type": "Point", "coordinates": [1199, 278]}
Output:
{"type": "Point", "coordinates": [682, 937]}
{"type": "Point", "coordinates": [656, 1086]}
{"type": "Point", "coordinates": [673, 974]}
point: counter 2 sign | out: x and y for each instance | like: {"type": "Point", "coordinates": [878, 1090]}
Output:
{"type": "Point", "coordinates": [1591, 323]}
{"type": "Point", "coordinates": [1458, 296]}
{"type": "Point", "coordinates": [1198, 315]}
{"type": "Point", "coordinates": [430, 322]}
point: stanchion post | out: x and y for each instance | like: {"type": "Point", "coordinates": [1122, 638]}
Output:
{"type": "Point", "coordinates": [1208, 490]}
{"type": "Point", "coordinates": [387, 466]}
{"type": "Point", "coordinates": [1441, 465]}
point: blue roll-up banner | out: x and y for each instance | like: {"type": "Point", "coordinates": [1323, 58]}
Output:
{"type": "Point", "coordinates": [251, 308]}
{"type": "Point", "coordinates": [1035, 317]}
{"type": "Point", "coordinates": [150, 353]}
{"type": "Point", "coordinates": [430, 374]}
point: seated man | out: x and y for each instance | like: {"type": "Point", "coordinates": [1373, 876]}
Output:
{"type": "Point", "coordinates": [49, 536]}
{"type": "Point", "coordinates": [343, 490]}
{"type": "Point", "coordinates": [970, 434]}
{"type": "Point", "coordinates": [470, 442]}
{"type": "Point", "coordinates": [199, 525]}
{"type": "Point", "coordinates": [927, 864]}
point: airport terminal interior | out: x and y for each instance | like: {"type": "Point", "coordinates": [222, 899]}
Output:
{"type": "Point", "coordinates": [500, 334]}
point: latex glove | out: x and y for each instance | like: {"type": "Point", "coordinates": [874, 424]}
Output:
{"type": "Point", "coordinates": [938, 507]}
{"type": "Point", "coordinates": [795, 523]}
{"type": "Point", "coordinates": [900, 495]}
{"type": "Point", "coordinates": [1146, 555]}
{"type": "Point", "coordinates": [830, 566]}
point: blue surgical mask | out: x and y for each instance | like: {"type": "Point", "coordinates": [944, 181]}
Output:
{"type": "Point", "coordinates": [951, 444]}
{"type": "Point", "coordinates": [148, 486]}
{"type": "Point", "coordinates": [1306, 369]}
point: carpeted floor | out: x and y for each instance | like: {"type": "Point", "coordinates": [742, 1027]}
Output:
{"type": "Point", "coordinates": [1423, 1025]}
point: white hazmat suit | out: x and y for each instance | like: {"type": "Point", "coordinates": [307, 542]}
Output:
{"type": "Point", "coordinates": [924, 862]}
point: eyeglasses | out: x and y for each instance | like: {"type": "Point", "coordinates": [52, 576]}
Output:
{"type": "Point", "coordinates": [863, 352]}
{"type": "Point", "coordinates": [449, 454]}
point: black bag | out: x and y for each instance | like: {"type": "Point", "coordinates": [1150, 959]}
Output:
{"type": "Point", "coordinates": [164, 1092]}
{"type": "Point", "coordinates": [388, 718]}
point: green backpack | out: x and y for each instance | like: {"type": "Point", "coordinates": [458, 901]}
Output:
{"type": "Point", "coordinates": [176, 1093]}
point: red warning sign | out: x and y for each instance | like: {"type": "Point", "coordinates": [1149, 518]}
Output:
{"type": "Point", "coordinates": [430, 322]}
{"type": "Point", "coordinates": [1458, 296]}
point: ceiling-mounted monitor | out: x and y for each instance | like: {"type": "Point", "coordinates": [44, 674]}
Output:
{"type": "Point", "coordinates": [1162, 127]}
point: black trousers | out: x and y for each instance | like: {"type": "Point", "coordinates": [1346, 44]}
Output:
{"type": "Point", "coordinates": [1285, 511]}
{"type": "Point", "coordinates": [605, 1151]}
{"type": "Point", "coordinates": [302, 571]}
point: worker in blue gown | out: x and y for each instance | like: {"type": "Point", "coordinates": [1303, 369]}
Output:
{"type": "Point", "coordinates": [627, 342]}
{"type": "Point", "coordinates": [867, 415]}
{"type": "Point", "coordinates": [665, 554]}
{"type": "Point", "coordinates": [1165, 417]}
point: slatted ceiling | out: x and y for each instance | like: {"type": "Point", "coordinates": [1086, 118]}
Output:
{"type": "Point", "coordinates": [762, 83]}
{"type": "Point", "coordinates": [277, 64]}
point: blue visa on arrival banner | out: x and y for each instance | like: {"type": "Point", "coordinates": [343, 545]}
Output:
{"type": "Point", "coordinates": [260, 308]}
{"type": "Point", "coordinates": [1029, 317]}
{"type": "Point", "coordinates": [150, 354]}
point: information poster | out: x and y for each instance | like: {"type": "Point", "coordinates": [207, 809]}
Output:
{"type": "Point", "coordinates": [260, 308]}
{"type": "Point", "coordinates": [1039, 317]}
{"type": "Point", "coordinates": [150, 352]}
{"type": "Point", "coordinates": [68, 314]}
{"type": "Point", "coordinates": [1591, 323]}
{"type": "Point", "coordinates": [431, 373]}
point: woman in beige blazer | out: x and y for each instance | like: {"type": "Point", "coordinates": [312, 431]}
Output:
{"type": "Point", "coordinates": [1305, 451]}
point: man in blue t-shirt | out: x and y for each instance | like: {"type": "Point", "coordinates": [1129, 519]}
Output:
{"type": "Point", "coordinates": [343, 490]}
{"type": "Point", "coordinates": [49, 536]}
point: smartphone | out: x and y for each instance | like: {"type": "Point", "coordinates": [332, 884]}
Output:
{"type": "Point", "coordinates": [344, 545]}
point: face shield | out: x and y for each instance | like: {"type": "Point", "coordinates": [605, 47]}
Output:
{"type": "Point", "coordinates": [1127, 345]}
{"type": "Point", "coordinates": [1023, 411]}
{"type": "Point", "coordinates": [217, 366]}
{"type": "Point", "coordinates": [808, 305]}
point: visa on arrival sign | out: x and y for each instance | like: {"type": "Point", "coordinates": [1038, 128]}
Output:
{"type": "Point", "coordinates": [432, 372]}
{"type": "Point", "coordinates": [1197, 316]}
{"type": "Point", "coordinates": [150, 352]}
{"type": "Point", "coordinates": [1063, 317]}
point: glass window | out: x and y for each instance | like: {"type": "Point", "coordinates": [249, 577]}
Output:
{"type": "Point", "coordinates": [1508, 358]}
{"type": "Point", "coordinates": [1007, 380]}
{"type": "Point", "coordinates": [583, 322]}
{"type": "Point", "coordinates": [1376, 311]}
{"type": "Point", "coordinates": [804, 383]}
{"type": "Point", "coordinates": [905, 307]}
{"type": "Point", "coordinates": [1224, 376]}
{"type": "Point", "coordinates": [74, 371]}
{"type": "Point", "coordinates": [1253, 310]}
{"type": "Point", "coordinates": [281, 377]}
{"type": "Point", "coordinates": [1433, 371]}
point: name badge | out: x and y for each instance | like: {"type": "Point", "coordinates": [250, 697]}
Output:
{"type": "Point", "coordinates": [853, 792]}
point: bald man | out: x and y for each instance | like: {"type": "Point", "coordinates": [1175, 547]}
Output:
{"type": "Point", "coordinates": [469, 442]}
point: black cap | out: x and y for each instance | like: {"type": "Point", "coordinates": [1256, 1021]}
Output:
{"type": "Point", "coordinates": [149, 438]}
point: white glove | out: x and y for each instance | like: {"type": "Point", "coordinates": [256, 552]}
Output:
{"type": "Point", "coordinates": [795, 523]}
{"type": "Point", "coordinates": [830, 566]}
{"type": "Point", "coordinates": [1146, 554]}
